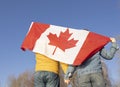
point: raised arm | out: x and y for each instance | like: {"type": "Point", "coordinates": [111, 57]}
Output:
{"type": "Point", "coordinates": [109, 54]}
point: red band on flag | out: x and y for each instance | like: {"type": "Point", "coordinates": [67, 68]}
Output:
{"type": "Point", "coordinates": [93, 43]}
{"type": "Point", "coordinates": [36, 30]}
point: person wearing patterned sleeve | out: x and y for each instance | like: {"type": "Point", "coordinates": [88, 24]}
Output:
{"type": "Point", "coordinates": [89, 73]}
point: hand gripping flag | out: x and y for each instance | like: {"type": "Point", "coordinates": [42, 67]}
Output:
{"type": "Point", "coordinates": [67, 45]}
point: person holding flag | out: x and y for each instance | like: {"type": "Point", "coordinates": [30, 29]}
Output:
{"type": "Point", "coordinates": [53, 44]}
{"type": "Point", "coordinates": [47, 71]}
{"type": "Point", "coordinates": [90, 71]}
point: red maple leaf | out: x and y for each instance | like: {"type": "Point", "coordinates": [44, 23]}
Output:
{"type": "Point", "coordinates": [62, 41]}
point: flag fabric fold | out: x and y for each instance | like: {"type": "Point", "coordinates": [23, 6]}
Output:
{"type": "Point", "coordinates": [67, 45]}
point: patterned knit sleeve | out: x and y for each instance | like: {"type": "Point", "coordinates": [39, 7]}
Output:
{"type": "Point", "coordinates": [109, 54]}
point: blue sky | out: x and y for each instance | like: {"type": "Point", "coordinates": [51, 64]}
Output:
{"type": "Point", "coordinates": [100, 16]}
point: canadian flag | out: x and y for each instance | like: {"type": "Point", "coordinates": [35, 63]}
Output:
{"type": "Point", "coordinates": [67, 45]}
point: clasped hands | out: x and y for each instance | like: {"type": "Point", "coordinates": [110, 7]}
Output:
{"type": "Point", "coordinates": [67, 81]}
